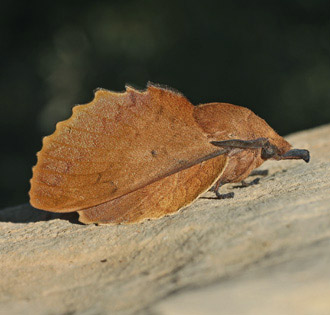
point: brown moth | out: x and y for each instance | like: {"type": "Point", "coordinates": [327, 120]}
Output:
{"type": "Point", "coordinates": [126, 157]}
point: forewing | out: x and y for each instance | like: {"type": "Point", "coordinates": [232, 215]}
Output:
{"type": "Point", "coordinates": [116, 144]}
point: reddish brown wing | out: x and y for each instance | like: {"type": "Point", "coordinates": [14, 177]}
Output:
{"type": "Point", "coordinates": [118, 143]}
{"type": "Point", "coordinates": [160, 198]}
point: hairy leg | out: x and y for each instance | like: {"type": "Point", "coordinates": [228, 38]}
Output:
{"type": "Point", "coordinates": [216, 188]}
{"type": "Point", "coordinates": [259, 173]}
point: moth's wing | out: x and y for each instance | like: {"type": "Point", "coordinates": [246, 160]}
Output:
{"type": "Point", "coordinates": [160, 198]}
{"type": "Point", "coordinates": [116, 144]}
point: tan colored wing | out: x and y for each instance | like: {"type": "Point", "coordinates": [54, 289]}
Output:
{"type": "Point", "coordinates": [158, 199]}
{"type": "Point", "coordinates": [118, 143]}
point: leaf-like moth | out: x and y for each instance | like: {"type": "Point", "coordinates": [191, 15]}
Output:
{"type": "Point", "coordinates": [136, 155]}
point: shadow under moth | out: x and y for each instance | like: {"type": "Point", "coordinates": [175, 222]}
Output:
{"type": "Point", "coordinates": [136, 155]}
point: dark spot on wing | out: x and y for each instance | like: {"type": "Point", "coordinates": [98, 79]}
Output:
{"type": "Point", "coordinates": [99, 176]}
{"type": "Point", "coordinates": [132, 97]}
{"type": "Point", "coordinates": [154, 153]}
{"type": "Point", "coordinates": [161, 110]}
{"type": "Point", "coordinates": [113, 186]}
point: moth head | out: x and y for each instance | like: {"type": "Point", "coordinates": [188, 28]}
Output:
{"type": "Point", "coordinates": [271, 151]}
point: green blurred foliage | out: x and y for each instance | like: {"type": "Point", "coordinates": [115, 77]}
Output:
{"type": "Point", "coordinates": [271, 56]}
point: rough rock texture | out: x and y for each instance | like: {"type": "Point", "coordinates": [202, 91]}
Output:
{"type": "Point", "coordinates": [267, 251]}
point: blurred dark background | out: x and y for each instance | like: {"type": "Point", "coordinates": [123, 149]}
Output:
{"type": "Point", "coordinates": [271, 56]}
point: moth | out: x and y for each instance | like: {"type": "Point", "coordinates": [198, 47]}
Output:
{"type": "Point", "coordinates": [136, 155]}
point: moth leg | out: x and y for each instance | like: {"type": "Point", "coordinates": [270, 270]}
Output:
{"type": "Point", "coordinates": [224, 196]}
{"type": "Point", "coordinates": [253, 182]}
{"type": "Point", "coordinates": [216, 188]}
{"type": "Point", "coordinates": [259, 173]}
{"type": "Point", "coordinates": [246, 184]}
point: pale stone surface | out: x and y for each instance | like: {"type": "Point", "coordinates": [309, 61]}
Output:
{"type": "Point", "coordinates": [267, 251]}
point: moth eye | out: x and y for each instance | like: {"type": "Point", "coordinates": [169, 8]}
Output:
{"type": "Point", "coordinates": [268, 152]}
